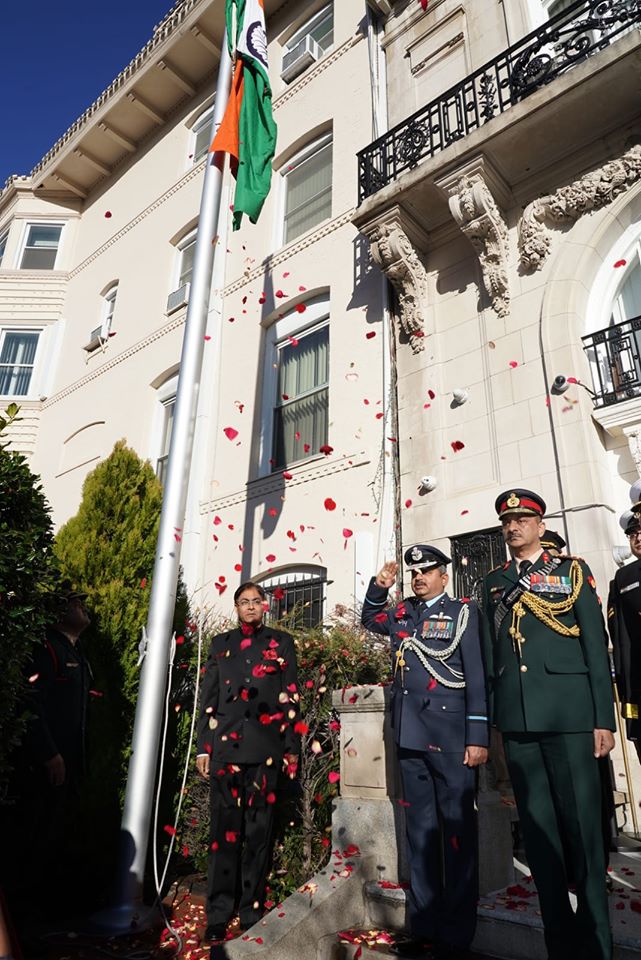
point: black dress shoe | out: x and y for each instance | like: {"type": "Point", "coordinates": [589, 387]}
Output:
{"type": "Point", "coordinates": [420, 949]}
{"type": "Point", "coordinates": [215, 931]}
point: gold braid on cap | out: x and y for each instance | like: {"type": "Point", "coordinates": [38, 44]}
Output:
{"type": "Point", "coordinates": [546, 611]}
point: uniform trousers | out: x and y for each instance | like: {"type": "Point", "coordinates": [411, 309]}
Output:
{"type": "Point", "coordinates": [241, 820]}
{"type": "Point", "coordinates": [557, 791]}
{"type": "Point", "coordinates": [443, 847]}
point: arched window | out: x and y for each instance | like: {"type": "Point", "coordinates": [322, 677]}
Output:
{"type": "Point", "coordinates": [299, 591]}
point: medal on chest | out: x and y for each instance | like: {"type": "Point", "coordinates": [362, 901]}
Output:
{"type": "Point", "coordinates": [438, 628]}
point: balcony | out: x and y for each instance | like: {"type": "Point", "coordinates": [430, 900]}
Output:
{"type": "Point", "coordinates": [567, 43]}
{"type": "Point", "coordinates": [614, 356]}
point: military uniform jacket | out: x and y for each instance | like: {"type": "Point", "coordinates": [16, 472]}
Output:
{"type": "Point", "coordinates": [426, 714]}
{"type": "Point", "coordinates": [624, 625]}
{"type": "Point", "coordinates": [558, 684]}
{"type": "Point", "coordinates": [249, 702]}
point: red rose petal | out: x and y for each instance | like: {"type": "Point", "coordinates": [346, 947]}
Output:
{"type": "Point", "coordinates": [408, 503]}
{"type": "Point", "coordinates": [329, 504]}
{"type": "Point", "coordinates": [457, 445]}
{"type": "Point", "coordinates": [370, 334]}
{"type": "Point", "coordinates": [514, 363]}
{"type": "Point", "coordinates": [347, 532]}
{"type": "Point", "coordinates": [431, 394]}
{"type": "Point", "coordinates": [333, 776]}
{"type": "Point", "coordinates": [108, 215]}
{"type": "Point", "coordinates": [301, 307]}
{"type": "Point", "coordinates": [287, 475]}
{"type": "Point", "coordinates": [230, 433]}
{"type": "Point", "coordinates": [326, 449]}
{"type": "Point", "coordinates": [270, 558]}
{"type": "Point", "coordinates": [619, 263]}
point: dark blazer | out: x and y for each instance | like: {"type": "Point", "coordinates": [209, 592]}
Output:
{"type": "Point", "coordinates": [624, 625]}
{"type": "Point", "coordinates": [560, 684]}
{"type": "Point", "coordinates": [249, 702]}
{"type": "Point", "coordinates": [428, 715]}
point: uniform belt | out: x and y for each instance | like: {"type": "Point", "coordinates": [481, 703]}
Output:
{"type": "Point", "coordinates": [630, 711]}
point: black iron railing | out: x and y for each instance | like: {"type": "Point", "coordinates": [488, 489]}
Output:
{"type": "Point", "coordinates": [614, 355]}
{"type": "Point", "coordinates": [552, 49]}
{"type": "Point", "coordinates": [302, 597]}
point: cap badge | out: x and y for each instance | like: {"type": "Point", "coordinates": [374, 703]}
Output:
{"type": "Point", "coordinates": [513, 501]}
{"type": "Point", "coordinates": [416, 554]}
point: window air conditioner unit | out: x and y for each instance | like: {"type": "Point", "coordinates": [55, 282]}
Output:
{"type": "Point", "coordinates": [179, 298]}
{"type": "Point", "coordinates": [299, 58]}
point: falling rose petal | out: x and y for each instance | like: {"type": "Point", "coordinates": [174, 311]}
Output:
{"type": "Point", "coordinates": [431, 394]}
{"type": "Point", "coordinates": [278, 594]}
{"type": "Point", "coordinates": [347, 532]}
{"type": "Point", "coordinates": [379, 416]}
{"type": "Point", "coordinates": [351, 752]}
{"type": "Point", "coordinates": [287, 475]}
{"type": "Point", "coordinates": [302, 289]}
{"type": "Point", "coordinates": [293, 341]}
{"type": "Point", "coordinates": [286, 274]}
{"type": "Point", "coordinates": [301, 728]}
{"type": "Point", "coordinates": [329, 504]}
{"type": "Point", "coordinates": [108, 216]}
{"type": "Point", "coordinates": [273, 512]}
{"type": "Point", "coordinates": [297, 435]}
{"type": "Point", "coordinates": [620, 263]}
{"type": "Point", "coordinates": [285, 396]}
{"type": "Point", "coordinates": [547, 400]}
{"type": "Point", "coordinates": [316, 747]}
{"type": "Point", "coordinates": [170, 830]}
{"type": "Point", "coordinates": [231, 836]}
{"type": "Point", "coordinates": [432, 684]}
{"type": "Point", "coordinates": [238, 567]}
{"type": "Point", "coordinates": [230, 433]}
{"type": "Point", "coordinates": [280, 294]}
{"type": "Point", "coordinates": [457, 445]}
{"type": "Point", "coordinates": [326, 449]}
{"type": "Point", "coordinates": [408, 504]}
{"type": "Point", "coordinates": [491, 344]}
{"type": "Point", "coordinates": [143, 583]}
{"type": "Point", "coordinates": [463, 512]}
{"type": "Point", "coordinates": [301, 307]}
{"type": "Point", "coordinates": [241, 406]}
{"type": "Point", "coordinates": [306, 447]}
{"type": "Point", "coordinates": [333, 776]}
{"type": "Point", "coordinates": [572, 380]}
{"type": "Point", "coordinates": [514, 363]}
{"type": "Point", "coordinates": [270, 558]}
{"type": "Point", "coordinates": [207, 337]}
{"type": "Point", "coordinates": [370, 334]}
{"type": "Point", "coordinates": [423, 5]}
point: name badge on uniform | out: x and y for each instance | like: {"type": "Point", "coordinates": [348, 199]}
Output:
{"type": "Point", "coordinates": [630, 586]}
{"type": "Point", "coordinates": [542, 583]}
{"type": "Point", "coordinates": [438, 629]}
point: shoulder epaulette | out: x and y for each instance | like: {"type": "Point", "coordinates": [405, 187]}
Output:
{"type": "Point", "coordinates": [499, 566]}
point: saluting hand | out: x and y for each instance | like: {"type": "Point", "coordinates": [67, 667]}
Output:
{"type": "Point", "coordinates": [603, 742]}
{"type": "Point", "coordinates": [475, 756]}
{"type": "Point", "coordinates": [387, 574]}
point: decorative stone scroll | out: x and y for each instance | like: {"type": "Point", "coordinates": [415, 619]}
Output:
{"type": "Point", "coordinates": [397, 256]}
{"type": "Point", "coordinates": [477, 214]}
{"type": "Point", "coordinates": [633, 436]}
{"type": "Point", "coordinates": [595, 190]}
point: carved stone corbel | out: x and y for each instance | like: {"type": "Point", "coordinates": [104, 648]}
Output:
{"type": "Point", "coordinates": [394, 240]}
{"type": "Point", "coordinates": [633, 436]}
{"type": "Point", "coordinates": [595, 190]}
{"type": "Point", "coordinates": [471, 196]}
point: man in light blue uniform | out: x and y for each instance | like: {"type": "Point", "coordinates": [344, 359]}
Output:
{"type": "Point", "coordinates": [439, 718]}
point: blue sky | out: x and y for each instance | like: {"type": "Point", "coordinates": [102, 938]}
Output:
{"type": "Point", "coordinates": [56, 60]}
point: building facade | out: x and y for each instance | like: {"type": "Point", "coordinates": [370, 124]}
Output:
{"type": "Point", "coordinates": [504, 205]}
{"type": "Point", "coordinates": [291, 481]}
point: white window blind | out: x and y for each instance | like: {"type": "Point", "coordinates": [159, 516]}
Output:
{"type": "Point", "coordinates": [308, 186]}
{"type": "Point", "coordinates": [41, 247]}
{"type": "Point", "coordinates": [17, 358]}
{"type": "Point", "coordinates": [301, 411]}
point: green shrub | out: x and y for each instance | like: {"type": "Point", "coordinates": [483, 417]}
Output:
{"type": "Point", "coordinates": [27, 578]}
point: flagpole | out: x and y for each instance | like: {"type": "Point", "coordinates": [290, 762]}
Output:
{"type": "Point", "coordinates": [129, 913]}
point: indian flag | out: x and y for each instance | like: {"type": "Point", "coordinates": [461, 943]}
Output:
{"type": "Point", "coordinates": [248, 130]}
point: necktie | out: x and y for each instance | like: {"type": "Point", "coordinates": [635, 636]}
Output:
{"type": "Point", "coordinates": [524, 566]}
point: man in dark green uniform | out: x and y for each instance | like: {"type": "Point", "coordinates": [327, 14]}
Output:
{"type": "Point", "coordinates": [551, 698]}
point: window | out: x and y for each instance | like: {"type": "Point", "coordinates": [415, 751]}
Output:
{"type": "Point", "coordinates": [201, 131]}
{"type": "Point", "coordinates": [169, 406]}
{"type": "Point", "coordinates": [300, 413]}
{"type": "Point", "coordinates": [308, 189]}
{"type": "Point", "coordinates": [299, 592]}
{"type": "Point", "coordinates": [473, 556]}
{"type": "Point", "coordinates": [41, 246]}
{"type": "Point", "coordinates": [18, 350]}
{"type": "Point", "coordinates": [108, 308]}
{"type": "Point", "coordinates": [186, 250]}
{"type": "Point", "coordinates": [320, 29]}
{"type": "Point", "coordinates": [4, 236]}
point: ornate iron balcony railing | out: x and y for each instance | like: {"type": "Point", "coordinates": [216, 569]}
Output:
{"type": "Point", "coordinates": [615, 362]}
{"type": "Point", "coordinates": [552, 49]}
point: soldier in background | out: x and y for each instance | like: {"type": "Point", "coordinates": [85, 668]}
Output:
{"type": "Point", "coordinates": [551, 698]}
{"type": "Point", "coordinates": [439, 719]}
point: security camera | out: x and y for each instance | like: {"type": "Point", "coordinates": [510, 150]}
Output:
{"type": "Point", "coordinates": [560, 385]}
{"type": "Point", "coordinates": [460, 396]}
{"type": "Point", "coordinates": [429, 483]}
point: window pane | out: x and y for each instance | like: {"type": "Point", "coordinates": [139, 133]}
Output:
{"type": "Point", "coordinates": [38, 258]}
{"type": "Point", "coordinates": [323, 33]}
{"type": "Point", "coordinates": [3, 244]}
{"type": "Point", "coordinates": [187, 263]}
{"type": "Point", "coordinates": [629, 299]}
{"type": "Point", "coordinates": [309, 193]}
{"type": "Point", "coordinates": [43, 235]}
{"type": "Point", "coordinates": [303, 373]}
{"type": "Point", "coordinates": [161, 463]}
{"type": "Point", "coordinates": [16, 363]}
{"type": "Point", "coordinates": [202, 137]}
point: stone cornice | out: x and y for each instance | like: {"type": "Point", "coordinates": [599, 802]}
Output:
{"type": "Point", "coordinates": [274, 483]}
{"type": "Point", "coordinates": [174, 324]}
{"type": "Point", "coordinates": [320, 67]}
{"type": "Point", "coordinates": [289, 251]}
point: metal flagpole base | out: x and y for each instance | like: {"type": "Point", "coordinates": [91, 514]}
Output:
{"type": "Point", "coordinates": [123, 919]}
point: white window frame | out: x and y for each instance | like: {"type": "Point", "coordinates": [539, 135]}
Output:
{"type": "Point", "coordinates": [180, 248]}
{"type": "Point", "coordinates": [4, 242]}
{"type": "Point", "coordinates": [291, 324]}
{"type": "Point", "coordinates": [307, 28]}
{"type": "Point", "coordinates": [25, 236]}
{"type": "Point", "coordinates": [108, 310]}
{"type": "Point", "coordinates": [297, 160]}
{"type": "Point", "coordinates": [203, 119]}
{"type": "Point", "coordinates": [33, 391]}
{"type": "Point", "coordinates": [165, 394]}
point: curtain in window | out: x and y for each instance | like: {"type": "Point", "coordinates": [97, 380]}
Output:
{"type": "Point", "coordinates": [41, 248]}
{"type": "Point", "coordinates": [16, 363]}
{"type": "Point", "coordinates": [202, 139]}
{"type": "Point", "coordinates": [303, 398]}
{"type": "Point", "coordinates": [309, 193]}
